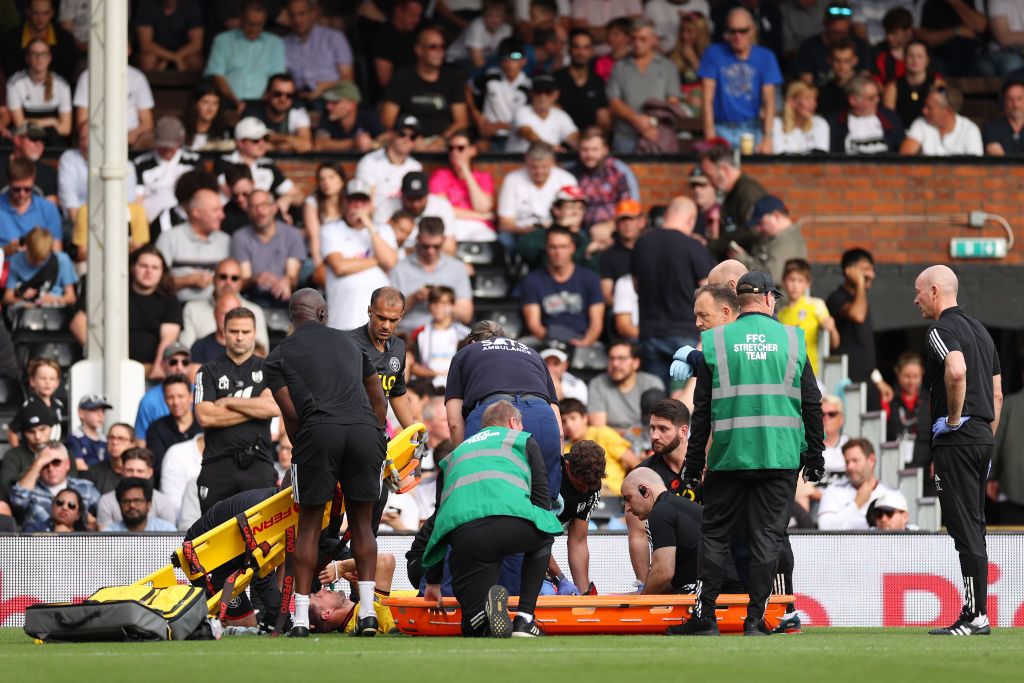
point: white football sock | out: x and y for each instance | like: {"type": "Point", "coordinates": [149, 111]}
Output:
{"type": "Point", "coordinates": [366, 599]}
{"type": "Point", "coordinates": [301, 611]}
{"type": "Point", "coordinates": [528, 618]}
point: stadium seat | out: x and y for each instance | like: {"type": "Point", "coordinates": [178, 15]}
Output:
{"type": "Point", "coordinates": [490, 283]}
{"type": "Point", "coordinates": [11, 393]}
{"type": "Point", "coordinates": [46, 319]}
{"type": "Point", "coordinates": [277, 319]}
{"type": "Point", "coordinates": [506, 314]}
{"type": "Point", "coordinates": [64, 350]}
{"type": "Point", "coordinates": [589, 358]}
{"type": "Point", "coordinates": [479, 253]}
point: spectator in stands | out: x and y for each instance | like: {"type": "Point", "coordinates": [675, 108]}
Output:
{"type": "Point", "coordinates": [139, 112]}
{"type": "Point", "coordinates": [28, 141]}
{"type": "Point", "coordinates": [619, 455]}
{"type": "Point", "coordinates": [270, 253]}
{"type": "Point", "coordinates": [435, 343]}
{"type": "Point", "coordinates": [844, 503]}
{"type": "Point", "coordinates": [251, 138]}
{"type": "Point", "coordinates": [865, 127]}
{"type": "Point", "coordinates": [668, 17]}
{"type": "Point", "coordinates": [238, 181]}
{"type": "Point", "coordinates": [739, 194]}
{"type": "Point", "coordinates": [205, 121]}
{"type": "Point", "coordinates": [1002, 136]}
{"type": "Point", "coordinates": [419, 203]}
{"type": "Point", "coordinates": [739, 80]}
{"type": "Point", "coordinates": [567, 211]}
{"type": "Point", "coordinates": [38, 24]}
{"type": "Point", "coordinates": [136, 463]}
{"type": "Point", "coordinates": [176, 360]}
{"type": "Point", "coordinates": [888, 512]}
{"type": "Point", "coordinates": [74, 17]}
{"type": "Point", "coordinates": [1005, 483]}
{"type": "Point", "coordinates": [543, 120]}
{"type": "Point", "coordinates": [392, 47]}
{"type": "Point", "coordinates": [767, 21]}
{"type": "Point", "coordinates": [288, 123]}
{"type": "Point", "coordinates": [169, 34]}
{"type": "Point", "coordinates": [604, 180]}
{"type": "Point", "coordinates": [73, 176]}
{"type": "Point", "coordinates": [563, 302]}
{"type": "Point", "coordinates": [242, 60]}
{"type": "Point", "coordinates": [531, 15]}
{"type": "Point", "coordinates": [941, 130]}
{"type": "Point", "coordinates": [1006, 22]}
{"type": "Point", "coordinates": [546, 54]}
{"type": "Point", "coordinates": [193, 250]}
{"type": "Point", "coordinates": [358, 254]}
{"type": "Point", "coordinates": [906, 95]}
{"type": "Point", "coordinates": [644, 76]}
{"type": "Point", "coordinates": [429, 91]}
{"type": "Point", "coordinates": [694, 38]}
{"type": "Point", "coordinates": [323, 205]}
{"type": "Point", "coordinates": [801, 19]}
{"type": "Point", "coordinates": [21, 210]}
{"type": "Point", "coordinates": [615, 395]}
{"type": "Point", "coordinates": [383, 169]}
{"type": "Point", "coordinates": [890, 54]}
{"type": "Point", "coordinates": [157, 172]}
{"type": "Point", "coordinates": [154, 313]}
{"type": "Point", "coordinates": [32, 495]}
{"type": "Point", "coordinates": [582, 92]}
{"type": "Point", "coordinates": [67, 513]}
{"type": "Point", "coordinates": [470, 191]}
{"type": "Point", "coordinates": [626, 309]}
{"type": "Point", "coordinates": [38, 276]}
{"type": "Point", "coordinates": [214, 345]}
{"type": "Point", "coordinates": [178, 474]}
{"type": "Point", "coordinates": [178, 425]}
{"type": "Point", "coordinates": [778, 240]}
{"type": "Point", "coordinates": [567, 385]}
{"type": "Point", "coordinates": [198, 315]}
{"type": "Point", "coordinates": [39, 95]}
{"type": "Point", "coordinates": [952, 29]}
{"type": "Point", "coordinates": [832, 93]}
{"type": "Point", "coordinates": [813, 60]}
{"type": "Point", "coordinates": [615, 260]}
{"type": "Point", "coordinates": [428, 267]}
{"type": "Point", "coordinates": [36, 422]}
{"type": "Point", "coordinates": [499, 93]}
{"type": "Point", "coordinates": [667, 265]}
{"type": "Point", "coordinates": [619, 43]}
{"type": "Point", "coordinates": [705, 196]}
{"type": "Point", "coordinates": [106, 473]}
{"type": "Point", "coordinates": [905, 408]}
{"type": "Point", "coordinates": [135, 498]}
{"type": "Point", "coordinates": [478, 43]}
{"type": "Point", "coordinates": [527, 193]}
{"type": "Point", "coordinates": [319, 57]}
{"type": "Point", "coordinates": [807, 312]}
{"type": "Point", "coordinates": [799, 130]}
{"type": "Point", "coordinates": [138, 230]}
{"type": "Point", "coordinates": [593, 15]}
{"type": "Point", "coordinates": [345, 126]}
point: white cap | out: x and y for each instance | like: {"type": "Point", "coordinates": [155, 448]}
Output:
{"type": "Point", "coordinates": [891, 500]}
{"type": "Point", "coordinates": [250, 128]}
{"type": "Point", "coordinates": [556, 353]}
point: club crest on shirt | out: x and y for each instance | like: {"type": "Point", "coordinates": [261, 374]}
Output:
{"type": "Point", "coordinates": [393, 364]}
{"type": "Point", "coordinates": [257, 376]}
{"type": "Point", "coordinates": [223, 383]}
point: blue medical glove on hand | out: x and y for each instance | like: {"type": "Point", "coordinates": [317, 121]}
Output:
{"type": "Point", "coordinates": [942, 427]}
{"type": "Point", "coordinates": [547, 588]}
{"type": "Point", "coordinates": [681, 370]}
{"type": "Point", "coordinates": [567, 587]}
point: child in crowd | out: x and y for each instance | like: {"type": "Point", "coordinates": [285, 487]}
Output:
{"type": "Point", "coordinates": [39, 276]}
{"type": "Point", "coordinates": [899, 31]}
{"type": "Point", "coordinates": [88, 443]}
{"type": "Point", "coordinates": [619, 456]}
{"type": "Point", "coordinates": [478, 44]}
{"type": "Point", "coordinates": [43, 382]}
{"type": "Point", "coordinates": [436, 342]}
{"type": "Point", "coordinates": [499, 93]}
{"type": "Point", "coordinates": [402, 223]}
{"type": "Point", "coordinates": [805, 311]}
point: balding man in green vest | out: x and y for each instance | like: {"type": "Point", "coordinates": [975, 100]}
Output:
{"type": "Point", "coordinates": [492, 502]}
{"type": "Point", "coordinates": [756, 393]}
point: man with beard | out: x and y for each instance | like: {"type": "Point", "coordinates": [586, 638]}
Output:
{"type": "Point", "coordinates": [135, 498]}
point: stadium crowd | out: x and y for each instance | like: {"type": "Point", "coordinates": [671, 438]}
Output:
{"type": "Point", "coordinates": [569, 259]}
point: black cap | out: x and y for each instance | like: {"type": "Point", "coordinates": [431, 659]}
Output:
{"type": "Point", "coordinates": [35, 413]}
{"type": "Point", "coordinates": [414, 184]}
{"type": "Point", "coordinates": [544, 83]}
{"type": "Point", "coordinates": [764, 206]}
{"type": "Point", "coordinates": [511, 48]}
{"type": "Point", "coordinates": [756, 282]}
{"type": "Point", "coordinates": [409, 122]}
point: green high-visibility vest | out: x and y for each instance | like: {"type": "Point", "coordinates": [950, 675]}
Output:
{"type": "Point", "coordinates": [756, 363]}
{"type": "Point", "coordinates": [488, 475]}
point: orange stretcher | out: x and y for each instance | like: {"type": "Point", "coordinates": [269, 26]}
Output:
{"type": "Point", "coordinates": [584, 615]}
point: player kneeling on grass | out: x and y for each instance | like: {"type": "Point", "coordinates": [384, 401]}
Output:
{"type": "Point", "coordinates": [583, 468]}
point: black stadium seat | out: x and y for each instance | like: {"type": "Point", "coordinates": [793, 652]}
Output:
{"type": "Point", "coordinates": [479, 253]}
{"type": "Point", "coordinates": [589, 358]}
{"type": "Point", "coordinates": [490, 283]}
{"type": "Point", "coordinates": [47, 319]}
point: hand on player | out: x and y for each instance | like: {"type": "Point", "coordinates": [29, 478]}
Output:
{"type": "Point", "coordinates": [942, 425]}
{"type": "Point", "coordinates": [567, 587]}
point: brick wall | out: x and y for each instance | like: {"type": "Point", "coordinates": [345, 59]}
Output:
{"type": "Point", "coordinates": [929, 201]}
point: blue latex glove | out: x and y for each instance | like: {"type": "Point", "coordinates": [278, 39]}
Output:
{"type": "Point", "coordinates": [940, 427]}
{"type": "Point", "coordinates": [567, 587]}
{"type": "Point", "coordinates": [547, 588]}
{"type": "Point", "coordinates": [681, 370]}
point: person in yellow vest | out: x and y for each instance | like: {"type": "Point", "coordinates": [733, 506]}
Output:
{"type": "Point", "coordinates": [492, 502]}
{"type": "Point", "coordinates": [757, 394]}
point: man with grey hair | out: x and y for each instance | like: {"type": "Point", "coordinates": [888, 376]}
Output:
{"type": "Point", "coordinates": [32, 495]}
{"type": "Point", "coordinates": [941, 131]}
{"type": "Point", "coordinates": [194, 249]}
{"type": "Point", "coordinates": [527, 193]}
{"type": "Point", "coordinates": [157, 172]}
{"type": "Point", "coordinates": [865, 127]}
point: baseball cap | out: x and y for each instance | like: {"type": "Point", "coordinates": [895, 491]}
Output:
{"type": "Point", "coordinates": [250, 128]}
{"type": "Point", "coordinates": [343, 91]}
{"type": "Point", "coordinates": [628, 208]}
{"type": "Point", "coordinates": [174, 349]}
{"type": "Point", "coordinates": [697, 177]}
{"type": "Point", "coordinates": [31, 131]}
{"type": "Point", "coordinates": [409, 122]}
{"type": "Point", "coordinates": [35, 413]}
{"type": "Point", "coordinates": [357, 187]}
{"type": "Point", "coordinates": [169, 132]}
{"type": "Point", "coordinates": [570, 193]}
{"type": "Point", "coordinates": [756, 282]}
{"type": "Point", "coordinates": [94, 402]}
{"type": "Point", "coordinates": [414, 185]}
{"type": "Point", "coordinates": [764, 206]}
{"type": "Point", "coordinates": [554, 353]}
{"type": "Point", "coordinates": [511, 48]}
{"type": "Point", "coordinates": [890, 501]}
{"type": "Point", "coordinates": [544, 83]}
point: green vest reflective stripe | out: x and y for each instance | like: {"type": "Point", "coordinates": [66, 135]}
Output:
{"type": "Point", "coordinates": [756, 363]}
{"type": "Point", "coordinates": [486, 476]}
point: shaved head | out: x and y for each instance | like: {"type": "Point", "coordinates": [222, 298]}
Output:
{"type": "Point", "coordinates": [640, 489]}
{"type": "Point", "coordinates": [942, 277]}
{"type": "Point", "coordinates": [935, 290]}
{"type": "Point", "coordinates": [644, 476]}
{"type": "Point", "coordinates": [727, 274]}
{"type": "Point", "coordinates": [305, 305]}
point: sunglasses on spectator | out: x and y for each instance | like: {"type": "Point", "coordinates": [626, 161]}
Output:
{"type": "Point", "coordinates": [14, 189]}
{"type": "Point", "coordinates": [737, 31]}
{"type": "Point", "coordinates": [831, 413]}
{"type": "Point", "coordinates": [434, 46]}
{"type": "Point", "coordinates": [457, 148]}
{"type": "Point", "coordinates": [265, 138]}
{"type": "Point", "coordinates": [840, 12]}
{"type": "Point", "coordinates": [412, 135]}
{"type": "Point", "coordinates": [224, 276]}
{"type": "Point", "coordinates": [183, 362]}
{"type": "Point", "coordinates": [282, 93]}
{"type": "Point", "coordinates": [885, 513]}
{"type": "Point", "coordinates": [66, 503]}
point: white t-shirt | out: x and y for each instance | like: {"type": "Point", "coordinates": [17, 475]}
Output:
{"type": "Point", "coordinates": [625, 299]}
{"type": "Point", "coordinates": [76, 12]}
{"type": "Point", "coordinates": [667, 15]}
{"type": "Point", "coordinates": [476, 36]}
{"type": "Point", "coordinates": [408, 510]}
{"type": "Point", "coordinates": [865, 135]}
{"type": "Point", "coordinates": [528, 204]}
{"type": "Point", "coordinates": [799, 141]}
{"type": "Point", "coordinates": [437, 347]}
{"type": "Point", "coordinates": [439, 207]}
{"type": "Point", "coordinates": [349, 295]}
{"type": "Point", "coordinates": [25, 94]}
{"type": "Point", "coordinates": [502, 98]}
{"type": "Point", "coordinates": [965, 138]}
{"type": "Point", "coordinates": [386, 180]}
{"type": "Point", "coordinates": [834, 460]}
{"type": "Point", "coordinates": [181, 464]}
{"type": "Point", "coordinates": [139, 95]}
{"type": "Point", "coordinates": [554, 129]}
{"type": "Point", "coordinates": [298, 118]}
{"type": "Point", "coordinates": [838, 510]}
{"type": "Point", "coordinates": [1012, 10]}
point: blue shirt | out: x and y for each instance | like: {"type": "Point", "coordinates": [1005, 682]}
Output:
{"type": "Point", "coordinates": [317, 59]}
{"type": "Point", "coordinates": [738, 82]}
{"type": "Point", "coordinates": [41, 212]}
{"type": "Point", "coordinates": [34, 504]}
{"type": "Point", "coordinates": [22, 271]}
{"type": "Point", "coordinates": [563, 304]}
{"type": "Point", "coordinates": [91, 451]}
{"type": "Point", "coordinates": [153, 523]}
{"type": "Point", "coordinates": [151, 408]}
{"type": "Point", "coordinates": [246, 64]}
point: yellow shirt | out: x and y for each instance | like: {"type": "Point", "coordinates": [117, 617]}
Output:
{"type": "Point", "coordinates": [614, 446]}
{"type": "Point", "coordinates": [138, 226]}
{"type": "Point", "coordinates": [807, 313]}
{"type": "Point", "coordinates": [385, 619]}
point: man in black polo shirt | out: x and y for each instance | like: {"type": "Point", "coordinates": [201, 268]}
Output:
{"type": "Point", "coordinates": [582, 91]}
{"type": "Point", "coordinates": [583, 468]}
{"type": "Point", "coordinates": [964, 378]}
{"type": "Point", "coordinates": [385, 349]}
{"type": "Point", "coordinates": [234, 405]}
{"type": "Point", "coordinates": [333, 410]}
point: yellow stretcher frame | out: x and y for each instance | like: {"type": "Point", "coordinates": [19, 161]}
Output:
{"type": "Point", "coordinates": [271, 519]}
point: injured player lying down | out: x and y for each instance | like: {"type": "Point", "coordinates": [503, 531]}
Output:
{"type": "Point", "coordinates": [333, 610]}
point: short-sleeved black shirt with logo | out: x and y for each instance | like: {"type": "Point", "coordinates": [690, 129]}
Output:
{"type": "Point", "coordinates": [390, 363]}
{"type": "Point", "coordinates": [221, 378]}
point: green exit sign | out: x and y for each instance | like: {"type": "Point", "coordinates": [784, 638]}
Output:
{"type": "Point", "coordinates": [977, 247]}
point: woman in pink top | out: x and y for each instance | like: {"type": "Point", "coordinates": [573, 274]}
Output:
{"type": "Point", "coordinates": [470, 192]}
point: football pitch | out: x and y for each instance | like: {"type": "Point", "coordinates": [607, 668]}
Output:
{"type": "Point", "coordinates": [822, 655]}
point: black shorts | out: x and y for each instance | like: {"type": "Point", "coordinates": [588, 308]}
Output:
{"type": "Point", "coordinates": [325, 454]}
{"type": "Point", "coordinates": [239, 606]}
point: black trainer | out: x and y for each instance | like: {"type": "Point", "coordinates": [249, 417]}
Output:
{"type": "Point", "coordinates": [496, 609]}
{"type": "Point", "coordinates": [790, 623]}
{"type": "Point", "coordinates": [523, 629]}
{"type": "Point", "coordinates": [694, 626]}
{"type": "Point", "coordinates": [753, 626]}
{"type": "Point", "coordinates": [366, 627]}
{"type": "Point", "coordinates": [967, 625]}
{"type": "Point", "coordinates": [298, 632]}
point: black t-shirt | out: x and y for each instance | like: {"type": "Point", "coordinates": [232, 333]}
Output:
{"type": "Point", "coordinates": [1000, 131]}
{"type": "Point", "coordinates": [429, 102]}
{"type": "Point", "coordinates": [170, 30]}
{"type": "Point", "coordinates": [392, 45]}
{"type": "Point", "coordinates": [221, 378]}
{"type": "Point", "coordinates": [939, 14]}
{"type": "Point", "coordinates": [46, 177]}
{"type": "Point", "coordinates": [832, 99]}
{"type": "Point", "coordinates": [667, 266]}
{"type": "Point", "coordinates": [207, 349]}
{"type": "Point", "coordinates": [737, 208]}
{"type": "Point", "coordinates": [324, 371]}
{"type": "Point", "coordinates": [856, 340]}
{"type": "Point", "coordinates": [161, 435]}
{"type": "Point", "coordinates": [366, 121]}
{"type": "Point", "coordinates": [390, 363]}
{"type": "Point", "coordinates": [676, 522]}
{"type": "Point", "coordinates": [614, 261]}
{"type": "Point", "coordinates": [495, 366]}
{"type": "Point", "coordinates": [672, 479]}
{"type": "Point", "coordinates": [956, 331]}
{"type": "Point", "coordinates": [146, 312]}
{"type": "Point", "coordinates": [576, 504]}
{"type": "Point", "coordinates": [228, 509]}
{"type": "Point", "coordinates": [581, 102]}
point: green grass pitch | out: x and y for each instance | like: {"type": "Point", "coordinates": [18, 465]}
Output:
{"type": "Point", "coordinates": [824, 655]}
